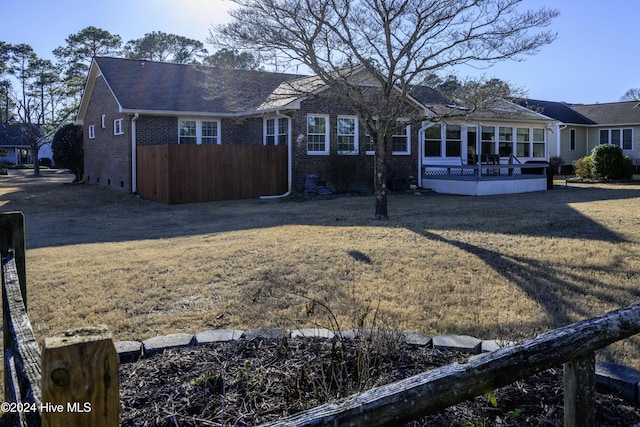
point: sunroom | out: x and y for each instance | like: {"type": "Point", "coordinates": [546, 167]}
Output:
{"type": "Point", "coordinates": [485, 158]}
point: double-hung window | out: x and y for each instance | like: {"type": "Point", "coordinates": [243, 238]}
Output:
{"type": "Point", "coordinates": [276, 131]}
{"type": "Point", "coordinates": [400, 142]}
{"type": "Point", "coordinates": [192, 131]}
{"type": "Point", "coordinates": [317, 134]}
{"type": "Point", "coordinates": [117, 127]}
{"type": "Point", "coordinates": [347, 135]}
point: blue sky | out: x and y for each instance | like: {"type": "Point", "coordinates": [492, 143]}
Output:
{"type": "Point", "coordinates": [596, 57]}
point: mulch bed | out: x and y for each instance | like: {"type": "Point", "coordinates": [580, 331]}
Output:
{"type": "Point", "coordinates": [245, 383]}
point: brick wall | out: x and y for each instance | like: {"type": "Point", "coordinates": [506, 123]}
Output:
{"type": "Point", "coordinates": [342, 172]}
{"type": "Point", "coordinates": [107, 157]}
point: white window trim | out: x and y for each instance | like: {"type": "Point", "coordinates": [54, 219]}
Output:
{"type": "Point", "coordinates": [327, 141]}
{"type": "Point", "coordinates": [408, 141]}
{"type": "Point", "coordinates": [118, 127]}
{"type": "Point", "coordinates": [91, 130]}
{"type": "Point", "coordinates": [276, 129]}
{"type": "Point", "coordinates": [356, 136]}
{"type": "Point", "coordinates": [609, 136]}
{"type": "Point", "coordinates": [199, 129]}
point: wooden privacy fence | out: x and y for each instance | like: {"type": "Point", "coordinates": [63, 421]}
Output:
{"type": "Point", "coordinates": [74, 381]}
{"type": "Point", "coordinates": [182, 173]}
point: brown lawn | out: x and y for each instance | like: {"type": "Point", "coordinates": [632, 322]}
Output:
{"type": "Point", "coordinates": [503, 267]}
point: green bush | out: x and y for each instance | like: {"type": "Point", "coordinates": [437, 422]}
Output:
{"type": "Point", "coordinates": [607, 161]}
{"type": "Point", "coordinates": [582, 167]}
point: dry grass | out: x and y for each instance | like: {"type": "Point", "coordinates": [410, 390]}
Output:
{"type": "Point", "coordinates": [494, 267]}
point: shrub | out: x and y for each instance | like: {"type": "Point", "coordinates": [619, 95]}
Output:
{"type": "Point", "coordinates": [582, 167]}
{"type": "Point", "coordinates": [607, 161]}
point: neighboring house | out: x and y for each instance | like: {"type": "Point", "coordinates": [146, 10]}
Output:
{"type": "Point", "coordinates": [583, 126]}
{"type": "Point", "coordinates": [15, 148]}
{"type": "Point", "coordinates": [128, 104]}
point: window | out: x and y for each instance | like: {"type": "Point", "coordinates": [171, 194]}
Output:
{"type": "Point", "coordinates": [627, 139]}
{"type": "Point", "coordinates": [400, 142]}
{"type": "Point", "coordinates": [453, 145]}
{"type": "Point", "coordinates": [117, 127]}
{"type": "Point", "coordinates": [188, 133]}
{"type": "Point", "coordinates": [623, 138]}
{"type": "Point", "coordinates": [318, 135]}
{"type": "Point", "coordinates": [209, 132]}
{"type": "Point", "coordinates": [505, 141]}
{"type": "Point", "coordinates": [538, 143]}
{"type": "Point", "coordinates": [92, 131]}
{"type": "Point", "coordinates": [347, 135]}
{"type": "Point", "coordinates": [103, 121]}
{"type": "Point", "coordinates": [432, 141]}
{"type": "Point", "coordinates": [572, 140]}
{"type": "Point", "coordinates": [276, 131]}
{"type": "Point", "coordinates": [488, 138]}
{"type": "Point", "coordinates": [523, 140]}
{"type": "Point", "coordinates": [191, 131]}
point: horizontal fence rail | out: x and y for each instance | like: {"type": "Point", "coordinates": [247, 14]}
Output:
{"type": "Point", "coordinates": [432, 391]}
{"type": "Point", "coordinates": [182, 173]}
{"type": "Point", "coordinates": [22, 354]}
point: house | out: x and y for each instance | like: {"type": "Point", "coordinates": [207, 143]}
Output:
{"type": "Point", "coordinates": [14, 145]}
{"type": "Point", "coordinates": [15, 148]}
{"type": "Point", "coordinates": [583, 126]}
{"type": "Point", "coordinates": [130, 107]}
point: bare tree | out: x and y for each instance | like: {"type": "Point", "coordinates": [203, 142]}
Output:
{"type": "Point", "coordinates": [631, 95]}
{"type": "Point", "coordinates": [397, 42]}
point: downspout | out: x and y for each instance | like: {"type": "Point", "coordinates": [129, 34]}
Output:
{"type": "Point", "coordinates": [420, 152]}
{"type": "Point", "coordinates": [289, 159]}
{"type": "Point", "coordinates": [134, 160]}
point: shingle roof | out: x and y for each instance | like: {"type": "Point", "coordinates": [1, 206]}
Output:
{"type": "Point", "coordinates": [557, 110]}
{"type": "Point", "coordinates": [159, 86]}
{"type": "Point", "coordinates": [588, 114]}
{"type": "Point", "coordinates": [11, 135]}
{"type": "Point", "coordinates": [611, 113]}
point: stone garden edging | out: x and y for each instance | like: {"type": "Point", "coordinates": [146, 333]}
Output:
{"type": "Point", "coordinates": [614, 377]}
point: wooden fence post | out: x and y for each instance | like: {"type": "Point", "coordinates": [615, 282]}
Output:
{"type": "Point", "coordinates": [580, 392]}
{"type": "Point", "coordinates": [80, 383]}
{"type": "Point", "coordinates": [12, 238]}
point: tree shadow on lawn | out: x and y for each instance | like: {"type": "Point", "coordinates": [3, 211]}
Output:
{"type": "Point", "coordinates": [58, 215]}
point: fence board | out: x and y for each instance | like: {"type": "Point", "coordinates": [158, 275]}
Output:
{"type": "Point", "coordinates": [195, 173]}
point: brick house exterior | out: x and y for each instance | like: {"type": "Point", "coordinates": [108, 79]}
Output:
{"type": "Point", "coordinates": [129, 103]}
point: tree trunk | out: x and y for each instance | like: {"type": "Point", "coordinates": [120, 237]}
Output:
{"type": "Point", "coordinates": [380, 171]}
